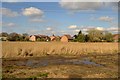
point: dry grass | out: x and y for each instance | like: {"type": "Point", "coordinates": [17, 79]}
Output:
{"type": "Point", "coordinates": [36, 49]}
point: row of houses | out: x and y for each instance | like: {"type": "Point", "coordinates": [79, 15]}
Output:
{"type": "Point", "coordinates": [64, 38]}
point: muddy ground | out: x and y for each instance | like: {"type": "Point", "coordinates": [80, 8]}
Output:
{"type": "Point", "coordinates": [55, 66]}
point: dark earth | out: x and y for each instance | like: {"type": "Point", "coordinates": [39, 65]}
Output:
{"type": "Point", "coordinates": [55, 66]}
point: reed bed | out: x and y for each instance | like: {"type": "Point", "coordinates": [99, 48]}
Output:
{"type": "Point", "coordinates": [37, 49]}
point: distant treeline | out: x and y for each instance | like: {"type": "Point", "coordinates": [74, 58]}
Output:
{"type": "Point", "coordinates": [92, 35]}
{"type": "Point", "coordinates": [14, 36]}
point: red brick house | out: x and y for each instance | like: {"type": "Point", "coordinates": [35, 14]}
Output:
{"type": "Point", "coordinates": [116, 37]}
{"type": "Point", "coordinates": [66, 38]}
{"type": "Point", "coordinates": [37, 37]}
{"type": "Point", "coordinates": [54, 38]}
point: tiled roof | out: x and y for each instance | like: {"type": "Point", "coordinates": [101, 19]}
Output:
{"type": "Point", "coordinates": [68, 36]}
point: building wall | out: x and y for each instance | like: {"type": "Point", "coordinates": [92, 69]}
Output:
{"type": "Point", "coordinates": [3, 38]}
{"type": "Point", "coordinates": [52, 38]}
{"type": "Point", "coordinates": [116, 37]}
{"type": "Point", "coordinates": [64, 39]}
{"type": "Point", "coordinates": [32, 38]}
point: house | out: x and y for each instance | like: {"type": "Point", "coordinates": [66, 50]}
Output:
{"type": "Point", "coordinates": [55, 38]}
{"type": "Point", "coordinates": [32, 38]}
{"type": "Point", "coordinates": [116, 37]}
{"type": "Point", "coordinates": [39, 38]}
{"type": "Point", "coordinates": [66, 38]}
{"type": "Point", "coordinates": [3, 38]}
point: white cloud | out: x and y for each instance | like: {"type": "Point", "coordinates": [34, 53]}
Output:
{"type": "Point", "coordinates": [11, 24]}
{"type": "Point", "coordinates": [9, 13]}
{"type": "Point", "coordinates": [115, 8]}
{"type": "Point", "coordinates": [86, 28]}
{"type": "Point", "coordinates": [33, 31]}
{"type": "Point", "coordinates": [53, 32]}
{"type": "Point", "coordinates": [112, 29]}
{"type": "Point", "coordinates": [36, 20]}
{"type": "Point", "coordinates": [76, 5]}
{"type": "Point", "coordinates": [8, 24]}
{"type": "Point", "coordinates": [114, 24]}
{"type": "Point", "coordinates": [33, 12]}
{"type": "Point", "coordinates": [62, 31]}
{"type": "Point", "coordinates": [109, 29]}
{"type": "Point", "coordinates": [105, 18]}
{"type": "Point", "coordinates": [100, 28]}
{"type": "Point", "coordinates": [72, 27]}
{"type": "Point", "coordinates": [48, 29]}
{"type": "Point", "coordinates": [88, 5]}
{"type": "Point", "coordinates": [0, 23]}
{"type": "Point", "coordinates": [77, 30]}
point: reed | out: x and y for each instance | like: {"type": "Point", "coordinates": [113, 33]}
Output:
{"type": "Point", "coordinates": [36, 49]}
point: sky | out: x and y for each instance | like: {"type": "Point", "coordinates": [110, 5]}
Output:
{"type": "Point", "coordinates": [58, 18]}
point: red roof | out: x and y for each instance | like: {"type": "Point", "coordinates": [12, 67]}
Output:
{"type": "Point", "coordinates": [116, 36]}
{"type": "Point", "coordinates": [68, 36]}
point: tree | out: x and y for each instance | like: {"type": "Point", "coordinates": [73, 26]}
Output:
{"type": "Point", "coordinates": [4, 34]}
{"type": "Point", "coordinates": [25, 37]}
{"type": "Point", "coordinates": [86, 38]}
{"type": "Point", "coordinates": [13, 37]}
{"type": "Point", "coordinates": [81, 38]}
{"type": "Point", "coordinates": [53, 35]}
{"type": "Point", "coordinates": [95, 35]}
{"type": "Point", "coordinates": [25, 34]}
{"type": "Point", "coordinates": [80, 32]}
{"type": "Point", "coordinates": [40, 39]}
{"type": "Point", "coordinates": [108, 37]}
{"type": "Point", "coordinates": [75, 38]}
{"type": "Point", "coordinates": [118, 39]}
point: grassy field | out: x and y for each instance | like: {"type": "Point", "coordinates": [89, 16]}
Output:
{"type": "Point", "coordinates": [37, 49]}
{"type": "Point", "coordinates": [59, 60]}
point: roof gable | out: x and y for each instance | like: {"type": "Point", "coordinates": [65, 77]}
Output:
{"type": "Point", "coordinates": [68, 36]}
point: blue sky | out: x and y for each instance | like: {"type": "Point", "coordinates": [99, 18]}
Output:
{"type": "Point", "coordinates": [58, 17]}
